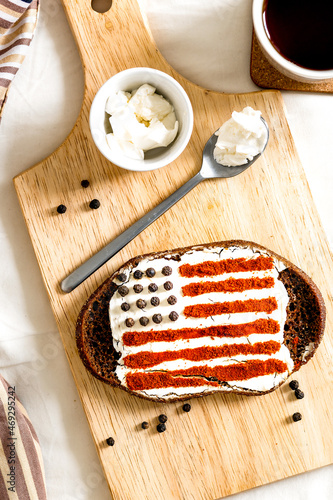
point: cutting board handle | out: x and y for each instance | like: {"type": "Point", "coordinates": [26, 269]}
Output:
{"type": "Point", "coordinates": [112, 41]}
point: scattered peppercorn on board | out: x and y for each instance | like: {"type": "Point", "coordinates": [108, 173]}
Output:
{"type": "Point", "coordinates": [225, 444]}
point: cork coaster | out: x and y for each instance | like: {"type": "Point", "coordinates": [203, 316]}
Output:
{"type": "Point", "coordinates": [264, 75]}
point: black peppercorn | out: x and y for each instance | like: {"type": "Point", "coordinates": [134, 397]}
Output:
{"type": "Point", "coordinates": [294, 385]}
{"type": "Point", "coordinates": [157, 318]}
{"type": "Point", "coordinates": [297, 416]}
{"type": "Point", "coordinates": [144, 321]}
{"type": "Point", "coordinates": [187, 407]}
{"type": "Point", "coordinates": [162, 418]}
{"type": "Point", "coordinates": [144, 425]}
{"type": "Point", "coordinates": [168, 285]}
{"type": "Point", "coordinates": [121, 277]}
{"type": "Point", "coordinates": [172, 300]}
{"type": "Point", "coordinates": [140, 303]}
{"type": "Point", "coordinates": [129, 322]}
{"type": "Point", "coordinates": [166, 270]}
{"type": "Point", "coordinates": [138, 288]}
{"type": "Point", "coordinates": [155, 301]}
{"type": "Point", "coordinates": [138, 274]}
{"type": "Point", "coordinates": [95, 204]}
{"type": "Point", "coordinates": [299, 394]}
{"type": "Point", "coordinates": [173, 316]}
{"type": "Point", "coordinates": [85, 183]}
{"type": "Point", "coordinates": [161, 427]}
{"type": "Point", "coordinates": [150, 272]}
{"type": "Point", "coordinates": [61, 209]}
{"type": "Point", "coordinates": [123, 290]}
{"type": "Point", "coordinates": [152, 287]}
{"type": "Point", "coordinates": [117, 355]}
{"type": "Point", "coordinates": [110, 441]}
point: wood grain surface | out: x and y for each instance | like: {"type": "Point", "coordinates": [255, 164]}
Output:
{"type": "Point", "coordinates": [227, 443]}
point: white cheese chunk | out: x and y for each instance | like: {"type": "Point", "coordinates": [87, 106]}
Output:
{"type": "Point", "coordinates": [240, 138]}
{"type": "Point", "coordinates": [141, 120]}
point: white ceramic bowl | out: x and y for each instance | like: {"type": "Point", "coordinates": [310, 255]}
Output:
{"type": "Point", "coordinates": [279, 62]}
{"type": "Point", "coordinates": [168, 87]}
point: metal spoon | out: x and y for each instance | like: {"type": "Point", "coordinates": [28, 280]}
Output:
{"type": "Point", "coordinates": [209, 169]}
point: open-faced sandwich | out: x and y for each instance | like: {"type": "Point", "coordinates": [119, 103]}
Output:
{"type": "Point", "coordinates": [230, 316]}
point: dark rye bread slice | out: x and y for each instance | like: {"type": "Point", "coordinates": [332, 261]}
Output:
{"type": "Point", "coordinates": [303, 329]}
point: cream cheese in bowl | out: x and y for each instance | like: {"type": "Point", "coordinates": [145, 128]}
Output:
{"type": "Point", "coordinates": [141, 120]}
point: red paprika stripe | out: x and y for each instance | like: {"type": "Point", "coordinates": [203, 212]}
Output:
{"type": "Point", "coordinates": [143, 381]}
{"type": "Point", "coordinates": [238, 306]}
{"type": "Point", "coordinates": [229, 285]}
{"type": "Point", "coordinates": [260, 326]}
{"type": "Point", "coordinates": [212, 268]}
{"type": "Point", "coordinates": [147, 359]}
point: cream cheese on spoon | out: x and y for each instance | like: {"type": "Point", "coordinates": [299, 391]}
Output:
{"type": "Point", "coordinates": [140, 120]}
{"type": "Point", "coordinates": [240, 138]}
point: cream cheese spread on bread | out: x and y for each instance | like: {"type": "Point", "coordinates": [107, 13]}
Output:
{"type": "Point", "coordinates": [206, 320]}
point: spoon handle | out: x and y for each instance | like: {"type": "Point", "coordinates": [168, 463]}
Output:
{"type": "Point", "coordinates": [96, 261]}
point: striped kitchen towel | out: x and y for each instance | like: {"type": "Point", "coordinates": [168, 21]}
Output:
{"type": "Point", "coordinates": [18, 19]}
{"type": "Point", "coordinates": [21, 462]}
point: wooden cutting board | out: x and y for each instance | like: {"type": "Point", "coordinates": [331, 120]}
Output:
{"type": "Point", "coordinates": [226, 443]}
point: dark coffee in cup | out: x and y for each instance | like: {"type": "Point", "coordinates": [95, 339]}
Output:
{"type": "Point", "coordinates": [301, 31]}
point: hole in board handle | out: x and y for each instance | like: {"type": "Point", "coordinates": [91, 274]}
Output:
{"type": "Point", "coordinates": [101, 6]}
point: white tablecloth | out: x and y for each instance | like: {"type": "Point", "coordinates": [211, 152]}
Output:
{"type": "Point", "coordinates": [208, 42]}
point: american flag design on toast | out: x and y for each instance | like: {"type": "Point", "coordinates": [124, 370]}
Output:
{"type": "Point", "coordinates": [208, 319]}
